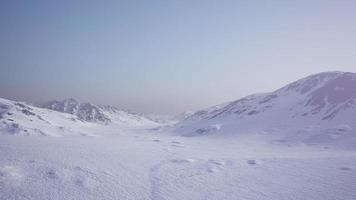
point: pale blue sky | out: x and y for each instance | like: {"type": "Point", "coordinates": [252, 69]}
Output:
{"type": "Point", "coordinates": [168, 56]}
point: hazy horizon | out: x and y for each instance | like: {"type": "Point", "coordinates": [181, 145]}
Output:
{"type": "Point", "coordinates": [168, 56]}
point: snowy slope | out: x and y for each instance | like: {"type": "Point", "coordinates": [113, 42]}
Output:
{"type": "Point", "coordinates": [66, 118]}
{"type": "Point", "coordinates": [18, 118]}
{"type": "Point", "coordinates": [321, 107]}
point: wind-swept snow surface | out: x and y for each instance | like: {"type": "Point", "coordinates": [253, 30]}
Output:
{"type": "Point", "coordinates": [151, 166]}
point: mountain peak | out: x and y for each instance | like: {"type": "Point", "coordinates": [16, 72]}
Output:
{"type": "Point", "coordinates": [84, 111]}
{"type": "Point", "coordinates": [315, 81]}
{"type": "Point", "coordinates": [71, 99]}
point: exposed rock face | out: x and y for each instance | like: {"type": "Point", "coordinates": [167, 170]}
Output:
{"type": "Point", "coordinates": [84, 111]}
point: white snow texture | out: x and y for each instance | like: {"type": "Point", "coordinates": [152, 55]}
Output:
{"type": "Point", "coordinates": [298, 142]}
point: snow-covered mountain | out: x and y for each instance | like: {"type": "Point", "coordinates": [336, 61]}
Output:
{"type": "Point", "coordinates": [257, 157]}
{"type": "Point", "coordinates": [66, 117]}
{"type": "Point", "coordinates": [320, 106]}
{"type": "Point", "coordinates": [89, 112]}
{"type": "Point", "coordinates": [84, 111]}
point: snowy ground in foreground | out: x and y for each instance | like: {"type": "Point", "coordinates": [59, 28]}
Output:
{"type": "Point", "coordinates": [152, 166]}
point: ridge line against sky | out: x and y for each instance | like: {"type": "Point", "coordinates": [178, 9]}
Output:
{"type": "Point", "coordinates": [168, 56]}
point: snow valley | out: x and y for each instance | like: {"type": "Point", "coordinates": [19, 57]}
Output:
{"type": "Point", "coordinates": [298, 142]}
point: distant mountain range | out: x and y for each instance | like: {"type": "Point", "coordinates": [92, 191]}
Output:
{"type": "Point", "coordinates": [318, 108]}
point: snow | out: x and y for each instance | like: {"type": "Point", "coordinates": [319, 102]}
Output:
{"type": "Point", "coordinates": [132, 166]}
{"type": "Point", "coordinates": [263, 147]}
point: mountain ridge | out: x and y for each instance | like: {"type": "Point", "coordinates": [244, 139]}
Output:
{"type": "Point", "coordinates": [317, 104]}
{"type": "Point", "coordinates": [66, 117]}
